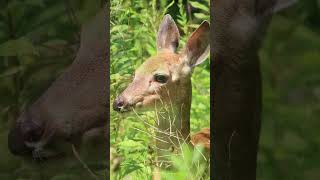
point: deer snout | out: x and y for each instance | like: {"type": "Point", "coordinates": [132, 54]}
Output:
{"type": "Point", "coordinates": [25, 131]}
{"type": "Point", "coordinates": [119, 104]}
{"type": "Point", "coordinates": [16, 143]}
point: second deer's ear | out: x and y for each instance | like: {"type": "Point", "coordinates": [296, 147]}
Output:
{"type": "Point", "coordinates": [283, 4]}
{"type": "Point", "coordinates": [268, 7]}
{"type": "Point", "coordinates": [168, 35]}
{"type": "Point", "coordinates": [198, 45]}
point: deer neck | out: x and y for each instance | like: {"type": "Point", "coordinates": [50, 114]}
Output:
{"type": "Point", "coordinates": [173, 121]}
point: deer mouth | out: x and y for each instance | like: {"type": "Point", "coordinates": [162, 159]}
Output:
{"type": "Point", "coordinates": [40, 155]}
{"type": "Point", "coordinates": [141, 103]}
{"type": "Point", "coordinates": [36, 151]}
{"type": "Point", "coordinates": [130, 107]}
{"type": "Point", "coordinates": [121, 105]}
{"type": "Point", "coordinates": [42, 140]}
{"type": "Point", "coordinates": [35, 140]}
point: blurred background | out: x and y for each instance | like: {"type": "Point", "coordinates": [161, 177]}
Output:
{"type": "Point", "coordinates": [38, 39]}
{"type": "Point", "coordinates": [290, 138]}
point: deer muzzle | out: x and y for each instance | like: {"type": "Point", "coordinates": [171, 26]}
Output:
{"type": "Point", "coordinates": [119, 104]}
{"type": "Point", "coordinates": [33, 138]}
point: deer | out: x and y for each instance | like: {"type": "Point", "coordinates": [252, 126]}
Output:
{"type": "Point", "coordinates": [163, 84]}
{"type": "Point", "coordinates": [237, 91]}
{"type": "Point", "coordinates": [74, 109]}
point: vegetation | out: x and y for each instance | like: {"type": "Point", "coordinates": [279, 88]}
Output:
{"type": "Point", "coordinates": [134, 25]}
{"type": "Point", "coordinates": [290, 144]}
{"type": "Point", "coordinates": [38, 39]}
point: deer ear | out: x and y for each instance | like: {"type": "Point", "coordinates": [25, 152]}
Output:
{"type": "Point", "coordinates": [267, 7]}
{"type": "Point", "coordinates": [198, 45]}
{"type": "Point", "coordinates": [283, 4]}
{"type": "Point", "coordinates": [168, 35]}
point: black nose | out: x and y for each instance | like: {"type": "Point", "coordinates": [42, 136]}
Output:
{"type": "Point", "coordinates": [16, 143]}
{"type": "Point", "coordinates": [24, 130]}
{"type": "Point", "coordinates": [118, 104]}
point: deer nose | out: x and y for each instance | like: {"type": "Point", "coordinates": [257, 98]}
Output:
{"type": "Point", "coordinates": [16, 143]}
{"type": "Point", "coordinates": [118, 104]}
{"type": "Point", "coordinates": [25, 130]}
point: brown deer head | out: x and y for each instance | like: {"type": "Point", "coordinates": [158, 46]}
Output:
{"type": "Point", "coordinates": [165, 76]}
{"type": "Point", "coordinates": [163, 83]}
{"type": "Point", "coordinates": [75, 105]}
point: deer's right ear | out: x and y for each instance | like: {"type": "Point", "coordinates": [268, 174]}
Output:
{"type": "Point", "coordinates": [168, 35]}
{"type": "Point", "coordinates": [198, 45]}
{"type": "Point", "coordinates": [283, 4]}
{"type": "Point", "coordinates": [267, 7]}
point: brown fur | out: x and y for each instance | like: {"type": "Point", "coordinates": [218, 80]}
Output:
{"type": "Point", "coordinates": [75, 105]}
{"type": "Point", "coordinates": [170, 100]}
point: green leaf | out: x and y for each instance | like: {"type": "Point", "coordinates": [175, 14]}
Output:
{"type": "Point", "coordinates": [198, 5]}
{"type": "Point", "coordinates": [200, 16]}
{"type": "Point", "coordinates": [17, 47]}
{"type": "Point", "coordinates": [167, 7]}
{"type": "Point", "coordinates": [119, 28]}
{"type": "Point", "coordinates": [11, 71]}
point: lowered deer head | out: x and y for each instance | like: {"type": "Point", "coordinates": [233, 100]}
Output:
{"type": "Point", "coordinates": [163, 83]}
{"type": "Point", "coordinates": [75, 105]}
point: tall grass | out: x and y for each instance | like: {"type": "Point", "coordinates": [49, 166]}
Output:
{"type": "Point", "coordinates": [134, 26]}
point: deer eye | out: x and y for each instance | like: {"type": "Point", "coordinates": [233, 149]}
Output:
{"type": "Point", "coordinates": [160, 78]}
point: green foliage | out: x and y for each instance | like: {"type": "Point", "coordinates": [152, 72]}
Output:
{"type": "Point", "coordinates": [289, 143]}
{"type": "Point", "coordinates": [134, 26]}
{"type": "Point", "coordinates": [191, 164]}
{"type": "Point", "coordinates": [38, 39]}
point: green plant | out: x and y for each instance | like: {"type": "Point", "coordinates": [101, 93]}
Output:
{"type": "Point", "coordinates": [134, 26]}
{"type": "Point", "coordinates": [38, 40]}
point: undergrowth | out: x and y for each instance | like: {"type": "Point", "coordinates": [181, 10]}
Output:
{"type": "Point", "coordinates": [134, 26]}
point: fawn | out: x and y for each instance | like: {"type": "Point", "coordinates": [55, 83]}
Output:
{"type": "Point", "coordinates": [163, 82]}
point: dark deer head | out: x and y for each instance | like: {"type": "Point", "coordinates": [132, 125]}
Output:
{"type": "Point", "coordinates": [75, 105]}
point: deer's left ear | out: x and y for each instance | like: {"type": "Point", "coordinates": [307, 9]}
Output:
{"type": "Point", "coordinates": [168, 35]}
{"type": "Point", "coordinates": [198, 45]}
